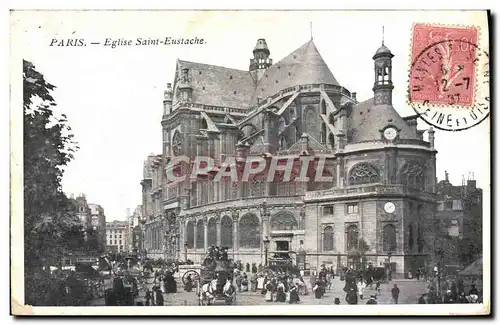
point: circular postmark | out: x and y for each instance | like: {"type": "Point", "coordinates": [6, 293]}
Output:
{"type": "Point", "coordinates": [449, 85]}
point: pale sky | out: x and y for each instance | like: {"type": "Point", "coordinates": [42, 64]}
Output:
{"type": "Point", "coordinates": [113, 97]}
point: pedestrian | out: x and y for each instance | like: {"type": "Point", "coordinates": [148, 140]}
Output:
{"type": "Point", "coordinates": [361, 287]}
{"type": "Point", "coordinates": [336, 301]}
{"type": "Point", "coordinates": [352, 296]}
{"type": "Point", "coordinates": [395, 293]}
{"type": "Point", "coordinates": [294, 295]}
{"type": "Point", "coordinates": [377, 286]}
{"type": "Point", "coordinates": [159, 298]}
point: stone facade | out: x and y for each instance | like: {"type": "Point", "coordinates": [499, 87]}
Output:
{"type": "Point", "coordinates": [382, 180]}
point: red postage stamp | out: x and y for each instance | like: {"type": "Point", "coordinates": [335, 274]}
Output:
{"type": "Point", "coordinates": [443, 67]}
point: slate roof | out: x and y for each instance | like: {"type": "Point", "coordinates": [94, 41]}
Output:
{"type": "Point", "coordinates": [219, 86]}
{"type": "Point", "coordinates": [303, 66]}
{"type": "Point", "coordinates": [367, 119]}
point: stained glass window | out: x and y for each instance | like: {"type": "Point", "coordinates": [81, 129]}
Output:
{"type": "Point", "coordinates": [412, 174]}
{"type": "Point", "coordinates": [227, 232]}
{"type": "Point", "coordinates": [352, 237]}
{"type": "Point", "coordinates": [284, 221]}
{"type": "Point", "coordinates": [212, 233]}
{"type": "Point", "coordinates": [249, 231]}
{"type": "Point", "coordinates": [363, 173]}
{"type": "Point", "coordinates": [200, 234]}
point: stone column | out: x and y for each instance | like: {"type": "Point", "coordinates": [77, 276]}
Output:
{"type": "Point", "coordinates": [218, 227]}
{"type": "Point", "coordinates": [265, 216]}
{"type": "Point", "coordinates": [235, 214]}
{"type": "Point", "coordinates": [205, 233]}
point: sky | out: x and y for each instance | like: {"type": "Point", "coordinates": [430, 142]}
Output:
{"type": "Point", "coordinates": [113, 97]}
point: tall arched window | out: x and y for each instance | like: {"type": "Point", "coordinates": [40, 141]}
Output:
{"type": "Point", "coordinates": [311, 122]}
{"type": "Point", "coordinates": [203, 124]}
{"type": "Point", "coordinates": [226, 232]}
{"type": "Point", "coordinates": [352, 237]}
{"type": "Point", "coordinates": [200, 234]}
{"type": "Point", "coordinates": [363, 173]}
{"type": "Point", "coordinates": [323, 106]}
{"type": "Point", "coordinates": [328, 239]}
{"type": "Point", "coordinates": [410, 237]}
{"type": "Point", "coordinates": [249, 231]}
{"type": "Point", "coordinates": [331, 141]}
{"type": "Point", "coordinates": [284, 221]}
{"type": "Point", "coordinates": [212, 233]}
{"type": "Point", "coordinates": [331, 119]}
{"type": "Point", "coordinates": [190, 235]}
{"type": "Point", "coordinates": [323, 133]}
{"type": "Point", "coordinates": [258, 187]}
{"type": "Point", "coordinates": [389, 238]}
{"type": "Point", "coordinates": [412, 174]}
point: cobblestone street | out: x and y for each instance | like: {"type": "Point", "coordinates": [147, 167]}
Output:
{"type": "Point", "coordinates": [410, 291]}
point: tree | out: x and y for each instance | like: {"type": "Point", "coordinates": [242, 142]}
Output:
{"type": "Point", "coordinates": [49, 215]}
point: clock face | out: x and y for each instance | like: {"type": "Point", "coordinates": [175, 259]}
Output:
{"type": "Point", "coordinates": [389, 207]}
{"type": "Point", "coordinates": [390, 133]}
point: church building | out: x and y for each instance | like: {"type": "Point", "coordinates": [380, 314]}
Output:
{"type": "Point", "coordinates": [379, 204]}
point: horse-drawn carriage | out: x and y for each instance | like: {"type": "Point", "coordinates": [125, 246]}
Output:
{"type": "Point", "coordinates": [216, 282]}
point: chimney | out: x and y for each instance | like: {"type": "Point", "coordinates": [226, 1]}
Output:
{"type": "Point", "coordinates": [353, 96]}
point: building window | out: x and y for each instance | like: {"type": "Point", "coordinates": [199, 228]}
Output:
{"type": "Point", "coordinates": [323, 133]}
{"type": "Point", "coordinates": [328, 210]}
{"type": "Point", "coordinates": [389, 238]}
{"type": "Point", "coordinates": [284, 221]}
{"type": "Point", "coordinates": [190, 235]}
{"type": "Point", "coordinates": [410, 237]}
{"type": "Point", "coordinates": [226, 232]}
{"type": "Point", "coordinates": [200, 234]}
{"type": "Point", "coordinates": [311, 122]}
{"type": "Point", "coordinates": [420, 240]}
{"type": "Point", "coordinates": [352, 237]}
{"type": "Point", "coordinates": [249, 231]}
{"type": "Point", "coordinates": [352, 208]}
{"type": "Point", "coordinates": [412, 175]}
{"type": "Point", "coordinates": [234, 190]}
{"type": "Point", "coordinates": [328, 239]}
{"type": "Point", "coordinates": [212, 233]}
{"type": "Point", "coordinates": [363, 173]}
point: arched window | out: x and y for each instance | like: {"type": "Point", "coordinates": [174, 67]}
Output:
{"type": "Point", "coordinates": [389, 238]}
{"type": "Point", "coordinates": [311, 122]}
{"type": "Point", "coordinates": [226, 232]}
{"type": "Point", "coordinates": [281, 124]}
{"type": "Point", "coordinates": [203, 124]}
{"type": "Point", "coordinates": [258, 187]}
{"type": "Point", "coordinates": [331, 141]}
{"type": "Point", "coordinates": [200, 234]}
{"type": "Point", "coordinates": [363, 173]}
{"type": "Point", "coordinates": [410, 237]}
{"type": "Point", "coordinates": [328, 239]}
{"type": "Point", "coordinates": [412, 174]}
{"type": "Point", "coordinates": [190, 235]}
{"type": "Point", "coordinates": [284, 221]}
{"type": "Point", "coordinates": [212, 233]}
{"type": "Point", "coordinates": [352, 237]}
{"type": "Point", "coordinates": [323, 107]}
{"type": "Point", "coordinates": [249, 231]}
{"type": "Point", "coordinates": [323, 133]}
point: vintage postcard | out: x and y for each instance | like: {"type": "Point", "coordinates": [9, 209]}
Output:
{"type": "Point", "coordinates": [250, 162]}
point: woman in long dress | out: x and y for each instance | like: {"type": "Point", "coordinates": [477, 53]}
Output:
{"type": "Point", "coordinates": [280, 295]}
{"type": "Point", "coordinates": [294, 295]}
{"type": "Point", "coordinates": [269, 293]}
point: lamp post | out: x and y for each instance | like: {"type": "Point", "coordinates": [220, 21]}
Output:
{"type": "Point", "coordinates": [266, 249]}
{"type": "Point", "coordinates": [389, 272]}
{"type": "Point", "coordinates": [185, 251]}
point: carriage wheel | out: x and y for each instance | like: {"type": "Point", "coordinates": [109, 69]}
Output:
{"type": "Point", "coordinates": [194, 276]}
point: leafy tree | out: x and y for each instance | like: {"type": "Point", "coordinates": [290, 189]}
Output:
{"type": "Point", "coordinates": [49, 216]}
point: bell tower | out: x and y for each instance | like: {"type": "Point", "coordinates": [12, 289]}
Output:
{"type": "Point", "coordinates": [382, 88]}
{"type": "Point", "coordinates": [261, 60]}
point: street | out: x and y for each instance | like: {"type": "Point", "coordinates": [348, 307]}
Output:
{"type": "Point", "coordinates": [410, 291]}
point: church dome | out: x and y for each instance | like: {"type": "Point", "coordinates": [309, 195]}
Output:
{"type": "Point", "coordinates": [261, 46]}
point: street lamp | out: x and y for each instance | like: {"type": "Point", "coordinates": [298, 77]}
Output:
{"type": "Point", "coordinates": [266, 249]}
{"type": "Point", "coordinates": [389, 272]}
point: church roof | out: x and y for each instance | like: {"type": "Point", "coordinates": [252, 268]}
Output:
{"type": "Point", "coordinates": [383, 50]}
{"type": "Point", "coordinates": [367, 119]}
{"type": "Point", "coordinates": [219, 86]}
{"type": "Point", "coordinates": [303, 66]}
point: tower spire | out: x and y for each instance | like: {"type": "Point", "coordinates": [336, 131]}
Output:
{"type": "Point", "coordinates": [311, 29]}
{"type": "Point", "coordinates": [382, 34]}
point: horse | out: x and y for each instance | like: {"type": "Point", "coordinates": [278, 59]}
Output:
{"type": "Point", "coordinates": [207, 293]}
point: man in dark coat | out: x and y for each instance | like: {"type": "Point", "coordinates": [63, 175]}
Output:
{"type": "Point", "coordinates": [352, 297]}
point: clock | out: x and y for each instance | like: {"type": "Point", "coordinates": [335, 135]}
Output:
{"type": "Point", "coordinates": [390, 133]}
{"type": "Point", "coordinates": [389, 207]}
{"type": "Point", "coordinates": [177, 144]}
